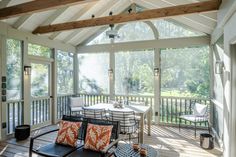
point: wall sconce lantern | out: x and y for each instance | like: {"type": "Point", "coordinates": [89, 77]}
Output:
{"type": "Point", "coordinates": [156, 71]}
{"type": "Point", "coordinates": [27, 70]}
{"type": "Point", "coordinates": [219, 67]}
{"type": "Point", "coordinates": [110, 72]}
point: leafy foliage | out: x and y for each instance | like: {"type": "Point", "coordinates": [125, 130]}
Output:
{"type": "Point", "coordinates": [40, 80]}
{"type": "Point", "coordinates": [65, 72]}
{"type": "Point", "coordinates": [134, 72]}
{"type": "Point", "coordinates": [14, 69]}
{"type": "Point", "coordinates": [93, 73]}
{"type": "Point", "coordinates": [186, 70]}
{"type": "Point", "coordinates": [38, 50]}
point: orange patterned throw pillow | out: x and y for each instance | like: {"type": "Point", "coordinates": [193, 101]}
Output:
{"type": "Point", "coordinates": [68, 133]}
{"type": "Point", "coordinates": [97, 137]}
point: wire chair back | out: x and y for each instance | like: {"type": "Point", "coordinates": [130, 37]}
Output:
{"type": "Point", "coordinates": [94, 113]}
{"type": "Point", "coordinates": [127, 120]}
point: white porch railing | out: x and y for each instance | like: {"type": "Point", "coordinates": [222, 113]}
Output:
{"type": "Point", "coordinates": [63, 105]}
{"type": "Point", "coordinates": [40, 110]}
{"type": "Point", "coordinates": [170, 108]}
{"type": "Point", "coordinates": [14, 114]}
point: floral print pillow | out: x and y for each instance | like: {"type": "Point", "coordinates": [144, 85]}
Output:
{"type": "Point", "coordinates": [97, 137]}
{"type": "Point", "coordinates": [68, 133]}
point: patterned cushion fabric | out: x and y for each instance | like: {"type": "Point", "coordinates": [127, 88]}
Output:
{"type": "Point", "coordinates": [68, 133]}
{"type": "Point", "coordinates": [97, 137]}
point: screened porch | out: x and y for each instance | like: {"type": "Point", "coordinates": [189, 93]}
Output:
{"type": "Point", "coordinates": [169, 64]}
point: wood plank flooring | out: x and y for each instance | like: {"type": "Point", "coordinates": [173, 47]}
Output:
{"type": "Point", "coordinates": [167, 140]}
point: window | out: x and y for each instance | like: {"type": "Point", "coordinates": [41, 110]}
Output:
{"type": "Point", "coordinates": [171, 29]}
{"type": "Point", "coordinates": [134, 72]}
{"type": "Point", "coordinates": [14, 69]}
{"type": "Point", "coordinates": [38, 50]}
{"type": "Point", "coordinates": [40, 80]}
{"type": "Point", "coordinates": [100, 39]}
{"type": "Point", "coordinates": [93, 73]}
{"type": "Point", "coordinates": [185, 72]}
{"type": "Point", "coordinates": [218, 55]}
{"type": "Point", "coordinates": [135, 31]}
{"type": "Point", "coordinates": [64, 72]}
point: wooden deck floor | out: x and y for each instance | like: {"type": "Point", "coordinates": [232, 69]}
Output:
{"type": "Point", "coordinates": [167, 140]}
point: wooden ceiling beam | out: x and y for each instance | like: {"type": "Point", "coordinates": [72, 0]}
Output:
{"type": "Point", "coordinates": [122, 18]}
{"type": "Point", "coordinates": [36, 6]}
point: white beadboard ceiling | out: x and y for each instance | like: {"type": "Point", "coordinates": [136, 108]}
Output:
{"type": "Point", "coordinates": [202, 22]}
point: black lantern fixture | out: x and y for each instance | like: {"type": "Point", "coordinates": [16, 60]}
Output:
{"type": "Point", "coordinates": [110, 73]}
{"type": "Point", "coordinates": [27, 70]}
{"type": "Point", "coordinates": [156, 71]}
{"type": "Point", "coordinates": [219, 67]}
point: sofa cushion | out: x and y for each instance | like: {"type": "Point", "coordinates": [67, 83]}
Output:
{"type": "Point", "coordinates": [55, 150]}
{"type": "Point", "coordinates": [68, 133]}
{"type": "Point", "coordinates": [97, 137]}
{"type": "Point", "coordinates": [85, 153]}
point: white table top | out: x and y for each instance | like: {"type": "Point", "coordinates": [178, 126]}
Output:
{"type": "Point", "coordinates": [136, 108]}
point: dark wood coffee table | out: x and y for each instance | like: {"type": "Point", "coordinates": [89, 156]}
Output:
{"type": "Point", "coordinates": [126, 150]}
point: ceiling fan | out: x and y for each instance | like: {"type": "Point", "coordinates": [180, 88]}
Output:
{"type": "Point", "coordinates": [112, 33]}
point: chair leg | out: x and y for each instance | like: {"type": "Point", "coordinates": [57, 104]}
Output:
{"type": "Point", "coordinates": [195, 128]}
{"type": "Point", "coordinates": [129, 138]}
{"type": "Point", "coordinates": [179, 123]}
{"type": "Point", "coordinates": [138, 137]}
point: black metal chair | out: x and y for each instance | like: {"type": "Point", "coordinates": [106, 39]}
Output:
{"type": "Point", "coordinates": [129, 125]}
{"type": "Point", "coordinates": [81, 152]}
{"type": "Point", "coordinates": [54, 149]}
{"type": "Point", "coordinates": [57, 150]}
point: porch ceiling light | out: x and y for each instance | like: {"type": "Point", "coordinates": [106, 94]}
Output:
{"type": "Point", "coordinates": [219, 67]}
{"type": "Point", "coordinates": [27, 70]}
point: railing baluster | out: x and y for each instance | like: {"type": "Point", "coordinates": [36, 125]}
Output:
{"type": "Point", "coordinates": [185, 109]}
{"type": "Point", "coordinates": [171, 111]}
{"type": "Point", "coordinates": [176, 111]}
{"type": "Point", "coordinates": [13, 116]}
{"type": "Point", "coordinates": [8, 117]}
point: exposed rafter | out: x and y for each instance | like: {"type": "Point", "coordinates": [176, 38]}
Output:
{"type": "Point", "coordinates": [149, 14]}
{"type": "Point", "coordinates": [115, 6]}
{"type": "Point", "coordinates": [23, 19]}
{"type": "Point", "coordinates": [54, 16]}
{"type": "Point", "coordinates": [20, 22]}
{"type": "Point", "coordinates": [4, 3]}
{"type": "Point", "coordinates": [36, 6]}
{"type": "Point", "coordinates": [199, 22]}
{"type": "Point", "coordinates": [78, 15]}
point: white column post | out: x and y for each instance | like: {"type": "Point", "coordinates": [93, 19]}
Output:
{"type": "Point", "coordinates": [112, 67]}
{"type": "Point", "coordinates": [3, 73]}
{"type": "Point", "coordinates": [26, 87]}
{"type": "Point", "coordinates": [112, 77]}
{"type": "Point", "coordinates": [211, 49]}
{"type": "Point", "coordinates": [76, 74]}
{"type": "Point", "coordinates": [54, 87]}
{"type": "Point", "coordinates": [157, 87]}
